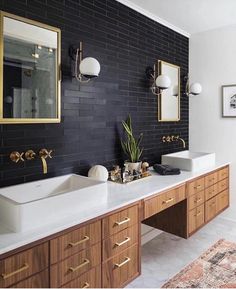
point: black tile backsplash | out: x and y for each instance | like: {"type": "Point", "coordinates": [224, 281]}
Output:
{"type": "Point", "coordinates": [125, 43]}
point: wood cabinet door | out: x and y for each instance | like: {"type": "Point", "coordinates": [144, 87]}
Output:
{"type": "Point", "coordinates": [74, 266]}
{"type": "Point", "coordinates": [22, 265]}
{"type": "Point", "coordinates": [121, 269]}
{"type": "Point", "coordinates": [75, 241]}
{"type": "Point", "coordinates": [211, 209]}
{"type": "Point", "coordinates": [90, 279]}
{"type": "Point", "coordinates": [196, 200]}
{"type": "Point", "coordinates": [120, 221]}
{"type": "Point", "coordinates": [163, 201]}
{"type": "Point", "coordinates": [40, 280]}
{"type": "Point", "coordinates": [196, 219]}
{"type": "Point", "coordinates": [222, 201]}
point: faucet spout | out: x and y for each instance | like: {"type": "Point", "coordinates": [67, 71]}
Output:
{"type": "Point", "coordinates": [45, 166]}
{"type": "Point", "coordinates": [44, 154]}
{"type": "Point", "coordinates": [183, 141]}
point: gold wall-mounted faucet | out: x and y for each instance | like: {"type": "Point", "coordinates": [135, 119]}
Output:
{"type": "Point", "coordinates": [173, 138]}
{"type": "Point", "coordinates": [44, 154]}
{"type": "Point", "coordinates": [17, 157]}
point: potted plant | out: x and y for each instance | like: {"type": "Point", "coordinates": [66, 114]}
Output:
{"type": "Point", "coordinates": [131, 147]}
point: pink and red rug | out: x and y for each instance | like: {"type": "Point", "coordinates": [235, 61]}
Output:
{"type": "Point", "coordinates": [215, 268]}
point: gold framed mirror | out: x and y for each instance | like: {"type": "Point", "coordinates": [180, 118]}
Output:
{"type": "Point", "coordinates": [169, 99]}
{"type": "Point", "coordinates": [30, 75]}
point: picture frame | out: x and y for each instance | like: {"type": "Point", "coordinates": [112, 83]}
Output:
{"type": "Point", "coordinates": [229, 100]}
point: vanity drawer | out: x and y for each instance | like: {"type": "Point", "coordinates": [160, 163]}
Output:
{"type": "Point", "coordinates": [75, 266]}
{"type": "Point", "coordinates": [211, 191]}
{"type": "Point", "coordinates": [223, 173]}
{"type": "Point", "coordinates": [196, 219]}
{"type": "Point", "coordinates": [75, 241]}
{"type": "Point", "coordinates": [196, 200]}
{"type": "Point", "coordinates": [222, 201]}
{"type": "Point", "coordinates": [120, 241]}
{"type": "Point", "coordinates": [120, 221]}
{"type": "Point", "coordinates": [20, 266]}
{"type": "Point", "coordinates": [195, 186]}
{"type": "Point", "coordinates": [40, 280]}
{"type": "Point", "coordinates": [120, 270]}
{"type": "Point", "coordinates": [163, 201]}
{"type": "Point", "coordinates": [91, 279]}
{"type": "Point", "coordinates": [211, 179]}
{"type": "Point", "coordinates": [223, 185]}
{"type": "Point", "coordinates": [210, 209]}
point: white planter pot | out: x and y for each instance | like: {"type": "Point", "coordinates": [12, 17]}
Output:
{"type": "Point", "coordinates": [133, 166]}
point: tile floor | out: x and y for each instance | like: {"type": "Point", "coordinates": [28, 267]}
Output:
{"type": "Point", "coordinates": [166, 255]}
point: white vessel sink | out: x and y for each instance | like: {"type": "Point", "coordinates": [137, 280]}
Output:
{"type": "Point", "coordinates": [27, 206]}
{"type": "Point", "coordinates": [189, 161]}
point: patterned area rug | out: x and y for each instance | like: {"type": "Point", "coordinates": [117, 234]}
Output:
{"type": "Point", "coordinates": [215, 268]}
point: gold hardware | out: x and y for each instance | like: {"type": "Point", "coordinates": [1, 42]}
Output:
{"type": "Point", "coordinates": [173, 138]}
{"type": "Point", "coordinates": [122, 243]}
{"type": "Point", "coordinates": [198, 214]}
{"type": "Point", "coordinates": [8, 275]}
{"type": "Point", "coordinates": [183, 141]}
{"type": "Point", "coordinates": [126, 220]}
{"type": "Point", "coordinates": [198, 200]}
{"type": "Point", "coordinates": [30, 155]}
{"type": "Point", "coordinates": [85, 262]}
{"type": "Point", "coordinates": [127, 260]}
{"type": "Point", "coordinates": [86, 285]}
{"type": "Point", "coordinates": [85, 239]}
{"type": "Point", "coordinates": [44, 154]}
{"type": "Point", "coordinates": [17, 157]}
{"type": "Point", "coordinates": [168, 201]}
{"type": "Point", "coordinates": [198, 187]}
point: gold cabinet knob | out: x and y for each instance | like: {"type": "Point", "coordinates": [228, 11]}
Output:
{"type": "Point", "coordinates": [30, 155]}
{"type": "Point", "coordinates": [17, 157]}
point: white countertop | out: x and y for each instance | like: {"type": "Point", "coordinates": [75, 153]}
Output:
{"type": "Point", "coordinates": [119, 195]}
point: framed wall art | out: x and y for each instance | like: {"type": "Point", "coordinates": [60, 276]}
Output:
{"type": "Point", "coordinates": [229, 100]}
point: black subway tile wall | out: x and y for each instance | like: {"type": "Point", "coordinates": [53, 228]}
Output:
{"type": "Point", "coordinates": [125, 43]}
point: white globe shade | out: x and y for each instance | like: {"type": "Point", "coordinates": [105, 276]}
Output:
{"type": "Point", "coordinates": [89, 67]}
{"type": "Point", "coordinates": [99, 173]}
{"type": "Point", "coordinates": [195, 88]}
{"type": "Point", "coordinates": [163, 81]}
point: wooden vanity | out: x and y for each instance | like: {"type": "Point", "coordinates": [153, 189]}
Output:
{"type": "Point", "coordinates": [106, 251]}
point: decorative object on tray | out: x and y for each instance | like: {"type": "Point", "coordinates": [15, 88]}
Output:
{"type": "Point", "coordinates": [213, 269]}
{"type": "Point", "coordinates": [131, 147]}
{"type": "Point", "coordinates": [99, 173]}
{"type": "Point", "coordinates": [166, 170]}
{"type": "Point", "coordinates": [229, 100]}
{"type": "Point", "coordinates": [124, 176]}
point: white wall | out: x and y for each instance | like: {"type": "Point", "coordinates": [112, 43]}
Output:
{"type": "Point", "coordinates": [213, 64]}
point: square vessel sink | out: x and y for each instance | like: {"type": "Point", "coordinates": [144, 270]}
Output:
{"type": "Point", "coordinates": [31, 205]}
{"type": "Point", "coordinates": [189, 161]}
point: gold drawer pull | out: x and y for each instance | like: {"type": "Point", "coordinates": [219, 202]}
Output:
{"type": "Point", "coordinates": [198, 200]}
{"type": "Point", "coordinates": [199, 213]}
{"type": "Point", "coordinates": [126, 220]}
{"type": "Point", "coordinates": [123, 243]}
{"type": "Point", "coordinates": [198, 187]}
{"type": "Point", "coordinates": [86, 262]}
{"type": "Point", "coordinates": [8, 275]}
{"type": "Point", "coordinates": [86, 285]}
{"type": "Point", "coordinates": [168, 201]}
{"type": "Point", "coordinates": [85, 239]}
{"type": "Point", "coordinates": [127, 260]}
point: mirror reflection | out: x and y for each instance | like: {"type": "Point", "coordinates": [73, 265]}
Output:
{"type": "Point", "coordinates": [169, 100]}
{"type": "Point", "coordinates": [30, 72]}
